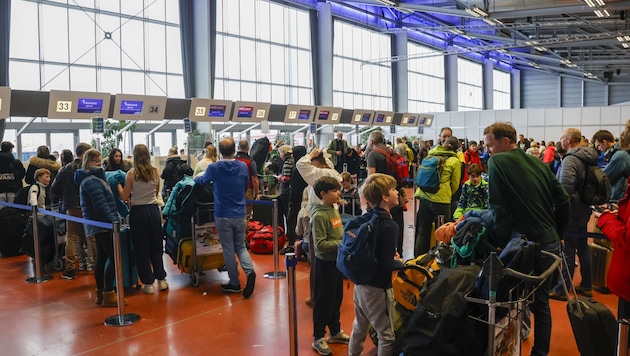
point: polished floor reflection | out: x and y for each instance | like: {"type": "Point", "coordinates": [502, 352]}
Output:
{"type": "Point", "coordinates": [59, 317]}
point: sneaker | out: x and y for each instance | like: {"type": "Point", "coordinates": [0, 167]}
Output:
{"type": "Point", "coordinates": [321, 347]}
{"type": "Point", "coordinates": [249, 286]}
{"type": "Point", "coordinates": [557, 296]}
{"type": "Point", "coordinates": [339, 338]}
{"type": "Point", "coordinates": [586, 293]}
{"type": "Point", "coordinates": [82, 267]}
{"type": "Point", "coordinates": [228, 288]}
{"type": "Point", "coordinates": [69, 274]}
{"type": "Point", "coordinates": [163, 284]}
{"type": "Point", "coordinates": [147, 288]}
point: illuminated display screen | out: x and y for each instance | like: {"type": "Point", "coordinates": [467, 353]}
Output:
{"type": "Point", "coordinates": [380, 118]}
{"type": "Point", "coordinates": [304, 114]}
{"type": "Point", "coordinates": [218, 111]}
{"type": "Point", "coordinates": [245, 111]}
{"type": "Point", "coordinates": [366, 117]}
{"type": "Point", "coordinates": [421, 120]}
{"type": "Point", "coordinates": [323, 115]}
{"type": "Point", "coordinates": [130, 107]}
{"type": "Point", "coordinates": [90, 106]}
{"type": "Point", "coordinates": [411, 120]}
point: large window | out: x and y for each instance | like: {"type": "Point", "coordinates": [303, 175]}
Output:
{"type": "Point", "coordinates": [263, 53]}
{"type": "Point", "coordinates": [426, 79]}
{"type": "Point", "coordinates": [501, 90]}
{"type": "Point", "coordinates": [469, 85]}
{"type": "Point", "coordinates": [367, 86]}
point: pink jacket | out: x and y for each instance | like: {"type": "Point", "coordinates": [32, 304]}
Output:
{"type": "Point", "coordinates": [617, 229]}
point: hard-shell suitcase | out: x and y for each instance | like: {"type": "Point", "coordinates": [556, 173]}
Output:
{"type": "Point", "coordinates": [600, 257]}
{"type": "Point", "coordinates": [594, 327]}
{"type": "Point", "coordinates": [130, 270]}
{"type": "Point", "coordinates": [204, 262]}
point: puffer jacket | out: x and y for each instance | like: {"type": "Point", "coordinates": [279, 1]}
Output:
{"type": "Point", "coordinates": [450, 178]}
{"type": "Point", "coordinates": [34, 163]}
{"type": "Point", "coordinates": [571, 175]}
{"type": "Point", "coordinates": [97, 200]}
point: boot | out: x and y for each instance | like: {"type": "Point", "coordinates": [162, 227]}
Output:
{"type": "Point", "coordinates": [110, 299]}
{"type": "Point", "coordinates": [99, 296]}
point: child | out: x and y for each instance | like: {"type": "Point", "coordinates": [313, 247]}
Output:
{"type": "Point", "coordinates": [474, 193]}
{"type": "Point", "coordinates": [351, 204]}
{"type": "Point", "coordinates": [327, 231]}
{"type": "Point", "coordinates": [374, 301]}
{"type": "Point", "coordinates": [37, 192]}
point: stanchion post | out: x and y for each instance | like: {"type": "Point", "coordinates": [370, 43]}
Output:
{"type": "Point", "coordinates": [37, 258]}
{"type": "Point", "coordinates": [291, 262]}
{"type": "Point", "coordinates": [274, 225]}
{"type": "Point", "coordinates": [120, 319]}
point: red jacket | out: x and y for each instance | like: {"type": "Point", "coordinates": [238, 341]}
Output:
{"type": "Point", "coordinates": [472, 157]}
{"type": "Point", "coordinates": [617, 229]}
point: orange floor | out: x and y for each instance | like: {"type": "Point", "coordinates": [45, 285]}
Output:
{"type": "Point", "coordinates": [59, 317]}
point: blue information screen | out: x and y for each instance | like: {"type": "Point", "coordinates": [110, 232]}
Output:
{"type": "Point", "coordinates": [245, 111]}
{"type": "Point", "coordinates": [366, 117]}
{"type": "Point", "coordinates": [380, 118]}
{"type": "Point", "coordinates": [130, 107]}
{"type": "Point", "coordinates": [411, 120]}
{"type": "Point", "coordinates": [304, 114]}
{"type": "Point", "coordinates": [90, 106]}
{"type": "Point", "coordinates": [323, 115]}
{"type": "Point", "coordinates": [216, 111]}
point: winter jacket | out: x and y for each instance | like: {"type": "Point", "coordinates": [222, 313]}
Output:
{"type": "Point", "coordinates": [172, 172]}
{"type": "Point", "coordinates": [34, 163]}
{"type": "Point", "coordinates": [64, 186]}
{"type": "Point", "coordinates": [230, 180]}
{"type": "Point", "coordinates": [549, 155]}
{"type": "Point", "coordinates": [571, 175]}
{"type": "Point", "coordinates": [327, 230]}
{"type": "Point", "coordinates": [617, 229]}
{"type": "Point", "coordinates": [472, 198]}
{"type": "Point", "coordinates": [97, 200]}
{"type": "Point", "coordinates": [618, 171]}
{"type": "Point", "coordinates": [472, 157]}
{"type": "Point", "coordinates": [450, 178]}
{"type": "Point", "coordinates": [113, 179]}
{"type": "Point", "coordinates": [11, 173]}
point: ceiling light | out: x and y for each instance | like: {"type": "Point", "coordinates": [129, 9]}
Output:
{"type": "Point", "coordinates": [627, 38]}
{"type": "Point", "coordinates": [457, 31]}
{"type": "Point", "coordinates": [534, 64]}
{"type": "Point", "coordinates": [405, 10]}
{"type": "Point", "coordinates": [620, 39]}
{"type": "Point", "coordinates": [489, 21]}
{"type": "Point", "coordinates": [590, 3]}
{"type": "Point", "coordinates": [540, 49]}
{"type": "Point", "coordinates": [531, 42]}
{"type": "Point", "coordinates": [387, 2]}
{"type": "Point", "coordinates": [625, 45]}
{"type": "Point", "coordinates": [600, 2]}
{"type": "Point", "coordinates": [477, 12]}
{"type": "Point", "coordinates": [472, 12]}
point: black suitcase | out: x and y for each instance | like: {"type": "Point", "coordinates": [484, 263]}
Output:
{"type": "Point", "coordinates": [601, 257]}
{"type": "Point", "coordinates": [13, 223]}
{"type": "Point", "coordinates": [594, 327]}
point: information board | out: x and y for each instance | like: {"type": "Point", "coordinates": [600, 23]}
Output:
{"type": "Point", "coordinates": [139, 107]}
{"type": "Point", "coordinates": [409, 119]}
{"type": "Point", "coordinates": [299, 114]}
{"type": "Point", "coordinates": [210, 110]}
{"type": "Point", "coordinates": [97, 125]}
{"type": "Point", "coordinates": [362, 117]}
{"type": "Point", "coordinates": [425, 120]}
{"type": "Point", "coordinates": [249, 111]}
{"type": "Point", "coordinates": [327, 115]}
{"type": "Point", "coordinates": [5, 102]}
{"type": "Point", "coordinates": [383, 118]}
{"type": "Point", "coordinates": [77, 105]}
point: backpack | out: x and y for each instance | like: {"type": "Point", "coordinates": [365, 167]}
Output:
{"type": "Point", "coordinates": [429, 174]}
{"type": "Point", "coordinates": [397, 165]}
{"type": "Point", "coordinates": [471, 243]}
{"type": "Point", "coordinates": [182, 169]}
{"type": "Point", "coordinates": [356, 257]}
{"type": "Point", "coordinates": [259, 151]}
{"type": "Point", "coordinates": [21, 196]}
{"type": "Point", "coordinates": [411, 280]}
{"type": "Point", "coordinates": [596, 187]}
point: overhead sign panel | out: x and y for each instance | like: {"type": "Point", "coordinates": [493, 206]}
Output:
{"type": "Point", "coordinates": [139, 107]}
{"type": "Point", "coordinates": [210, 110]}
{"type": "Point", "coordinates": [5, 102]}
{"type": "Point", "coordinates": [77, 105]}
{"type": "Point", "coordinates": [249, 111]}
{"type": "Point", "coordinates": [299, 114]}
{"type": "Point", "coordinates": [362, 117]}
{"type": "Point", "coordinates": [409, 119]}
{"type": "Point", "coordinates": [383, 118]}
{"type": "Point", "coordinates": [425, 120]}
{"type": "Point", "coordinates": [327, 115]}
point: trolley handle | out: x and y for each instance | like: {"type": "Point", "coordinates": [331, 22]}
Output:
{"type": "Point", "coordinates": [543, 276]}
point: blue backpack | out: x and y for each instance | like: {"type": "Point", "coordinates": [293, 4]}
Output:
{"type": "Point", "coordinates": [356, 257]}
{"type": "Point", "coordinates": [428, 177]}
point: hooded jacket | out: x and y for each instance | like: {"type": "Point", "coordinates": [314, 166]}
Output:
{"type": "Point", "coordinates": [571, 175]}
{"type": "Point", "coordinates": [618, 171]}
{"type": "Point", "coordinates": [450, 178]}
{"type": "Point", "coordinates": [327, 230]}
{"type": "Point", "coordinates": [229, 179]}
{"type": "Point", "coordinates": [97, 200]}
{"type": "Point", "coordinates": [34, 163]}
{"type": "Point", "coordinates": [11, 173]}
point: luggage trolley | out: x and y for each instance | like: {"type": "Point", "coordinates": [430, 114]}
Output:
{"type": "Point", "coordinates": [504, 332]}
{"type": "Point", "coordinates": [206, 249]}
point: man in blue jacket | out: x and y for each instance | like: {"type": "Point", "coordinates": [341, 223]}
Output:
{"type": "Point", "coordinates": [616, 161]}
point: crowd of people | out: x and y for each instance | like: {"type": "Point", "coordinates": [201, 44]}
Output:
{"type": "Point", "coordinates": [530, 188]}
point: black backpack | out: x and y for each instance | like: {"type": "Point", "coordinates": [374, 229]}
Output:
{"type": "Point", "coordinates": [596, 187]}
{"type": "Point", "coordinates": [259, 152]}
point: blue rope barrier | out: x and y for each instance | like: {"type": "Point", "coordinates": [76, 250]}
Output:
{"type": "Point", "coordinates": [260, 202]}
{"type": "Point", "coordinates": [100, 224]}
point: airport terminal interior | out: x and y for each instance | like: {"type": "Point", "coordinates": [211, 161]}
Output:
{"type": "Point", "coordinates": [165, 73]}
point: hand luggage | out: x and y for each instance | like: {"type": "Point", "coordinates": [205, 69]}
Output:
{"type": "Point", "coordinates": [594, 325]}
{"type": "Point", "coordinates": [13, 223]}
{"type": "Point", "coordinates": [600, 257]}
{"type": "Point", "coordinates": [204, 262]}
{"type": "Point", "coordinates": [46, 237]}
{"type": "Point", "coordinates": [130, 270]}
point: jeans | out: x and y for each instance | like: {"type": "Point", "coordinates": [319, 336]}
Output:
{"type": "Point", "coordinates": [573, 245]}
{"type": "Point", "coordinates": [542, 312]}
{"type": "Point", "coordinates": [232, 237]}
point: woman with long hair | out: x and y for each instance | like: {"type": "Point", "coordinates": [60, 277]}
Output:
{"type": "Point", "coordinates": [208, 159]}
{"type": "Point", "coordinates": [115, 161]}
{"type": "Point", "coordinates": [142, 188]}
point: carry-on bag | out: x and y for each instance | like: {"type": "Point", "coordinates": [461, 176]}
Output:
{"type": "Point", "coordinates": [601, 257]}
{"type": "Point", "coordinates": [594, 325]}
{"type": "Point", "coordinates": [130, 270]}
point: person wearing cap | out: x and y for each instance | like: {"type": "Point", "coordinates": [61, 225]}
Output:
{"type": "Point", "coordinates": [11, 173]}
{"type": "Point", "coordinates": [286, 154]}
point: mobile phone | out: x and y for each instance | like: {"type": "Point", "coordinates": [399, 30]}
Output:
{"type": "Point", "coordinates": [597, 208]}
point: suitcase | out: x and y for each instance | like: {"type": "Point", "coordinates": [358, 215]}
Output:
{"type": "Point", "coordinates": [594, 327]}
{"type": "Point", "coordinates": [204, 262]}
{"type": "Point", "coordinates": [129, 268]}
{"type": "Point", "coordinates": [46, 237]}
{"type": "Point", "coordinates": [600, 257]}
{"type": "Point", "coordinates": [264, 213]}
{"type": "Point", "coordinates": [13, 223]}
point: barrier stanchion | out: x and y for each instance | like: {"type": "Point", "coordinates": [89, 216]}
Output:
{"type": "Point", "coordinates": [38, 265]}
{"type": "Point", "coordinates": [275, 274]}
{"type": "Point", "coordinates": [291, 262]}
{"type": "Point", "coordinates": [120, 319]}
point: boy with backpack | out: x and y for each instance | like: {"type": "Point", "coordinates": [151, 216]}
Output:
{"type": "Point", "coordinates": [374, 300]}
{"type": "Point", "coordinates": [327, 231]}
{"type": "Point", "coordinates": [37, 191]}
